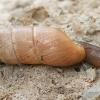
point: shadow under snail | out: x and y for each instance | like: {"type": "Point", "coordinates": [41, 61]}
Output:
{"type": "Point", "coordinates": [44, 45]}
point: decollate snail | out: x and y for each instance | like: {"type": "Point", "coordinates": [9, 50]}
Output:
{"type": "Point", "coordinates": [40, 45]}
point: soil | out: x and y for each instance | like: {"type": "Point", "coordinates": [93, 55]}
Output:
{"type": "Point", "coordinates": [80, 20]}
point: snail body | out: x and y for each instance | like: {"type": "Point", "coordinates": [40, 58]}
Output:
{"type": "Point", "coordinates": [92, 53]}
{"type": "Point", "coordinates": [38, 45]}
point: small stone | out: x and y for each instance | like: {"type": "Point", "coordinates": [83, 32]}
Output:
{"type": "Point", "coordinates": [91, 32]}
{"type": "Point", "coordinates": [86, 39]}
{"type": "Point", "coordinates": [54, 82]}
{"type": "Point", "coordinates": [86, 66]}
{"type": "Point", "coordinates": [92, 93]}
{"type": "Point", "coordinates": [91, 75]}
{"type": "Point", "coordinates": [68, 26]}
{"type": "Point", "coordinates": [35, 23]}
{"type": "Point", "coordinates": [60, 70]}
{"type": "Point", "coordinates": [20, 74]}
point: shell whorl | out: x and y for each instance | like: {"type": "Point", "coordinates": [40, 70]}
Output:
{"type": "Point", "coordinates": [38, 45]}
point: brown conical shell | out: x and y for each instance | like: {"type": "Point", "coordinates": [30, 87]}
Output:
{"type": "Point", "coordinates": [38, 45]}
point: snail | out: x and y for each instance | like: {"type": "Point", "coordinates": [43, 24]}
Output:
{"type": "Point", "coordinates": [43, 45]}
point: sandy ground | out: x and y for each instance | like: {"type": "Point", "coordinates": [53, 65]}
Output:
{"type": "Point", "coordinates": [80, 19]}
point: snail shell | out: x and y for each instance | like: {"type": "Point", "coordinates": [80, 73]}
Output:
{"type": "Point", "coordinates": [38, 45]}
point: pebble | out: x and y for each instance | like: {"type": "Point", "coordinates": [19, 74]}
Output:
{"type": "Point", "coordinates": [60, 70]}
{"type": "Point", "coordinates": [90, 75]}
{"type": "Point", "coordinates": [54, 82]}
{"type": "Point", "coordinates": [86, 66]}
{"type": "Point", "coordinates": [35, 23]}
{"type": "Point", "coordinates": [92, 93]}
{"type": "Point", "coordinates": [91, 32]}
{"type": "Point", "coordinates": [20, 75]}
{"type": "Point", "coordinates": [86, 39]}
